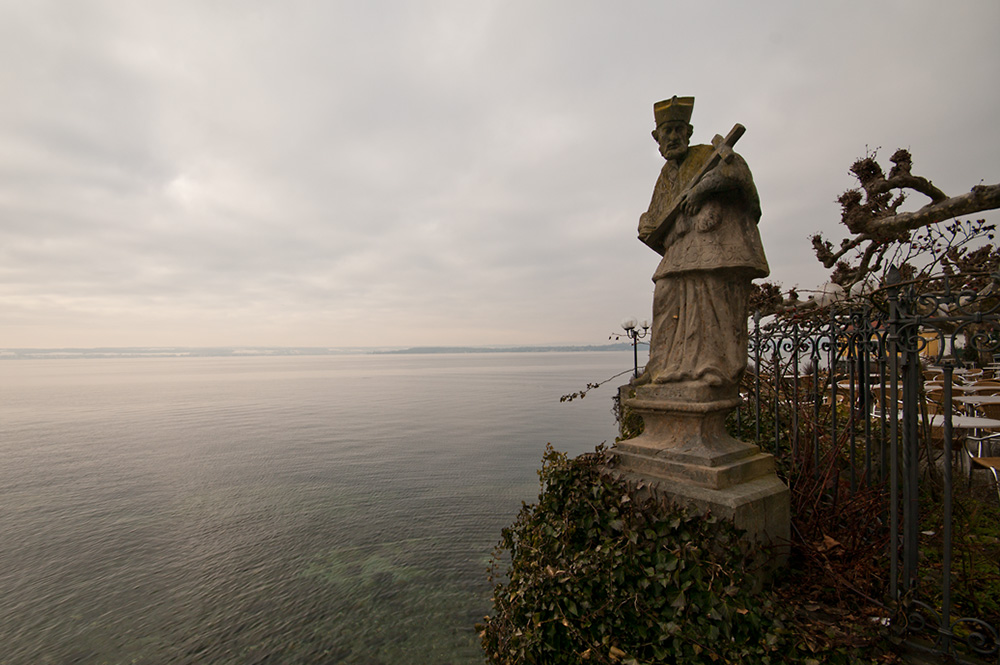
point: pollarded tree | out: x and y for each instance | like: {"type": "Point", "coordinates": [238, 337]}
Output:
{"type": "Point", "coordinates": [881, 236]}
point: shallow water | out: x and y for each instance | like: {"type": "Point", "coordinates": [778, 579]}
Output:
{"type": "Point", "coordinates": [326, 509]}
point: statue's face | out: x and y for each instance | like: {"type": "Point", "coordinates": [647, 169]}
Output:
{"type": "Point", "coordinates": [673, 138]}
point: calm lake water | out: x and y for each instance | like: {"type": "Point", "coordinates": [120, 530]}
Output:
{"type": "Point", "coordinates": [325, 509]}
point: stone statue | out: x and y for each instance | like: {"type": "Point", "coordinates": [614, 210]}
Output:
{"type": "Point", "coordinates": [703, 220]}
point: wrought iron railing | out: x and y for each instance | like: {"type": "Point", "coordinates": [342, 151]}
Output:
{"type": "Point", "coordinates": [847, 381]}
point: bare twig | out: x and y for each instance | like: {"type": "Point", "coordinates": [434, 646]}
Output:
{"type": "Point", "coordinates": [590, 386]}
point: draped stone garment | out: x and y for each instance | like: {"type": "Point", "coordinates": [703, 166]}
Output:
{"type": "Point", "coordinates": [699, 330]}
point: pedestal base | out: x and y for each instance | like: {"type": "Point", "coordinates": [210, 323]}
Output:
{"type": "Point", "coordinates": [685, 455]}
{"type": "Point", "coordinates": [760, 507]}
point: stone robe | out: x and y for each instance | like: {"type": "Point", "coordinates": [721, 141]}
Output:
{"type": "Point", "coordinates": [699, 331]}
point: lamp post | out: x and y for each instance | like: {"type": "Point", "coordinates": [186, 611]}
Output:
{"type": "Point", "coordinates": [632, 332]}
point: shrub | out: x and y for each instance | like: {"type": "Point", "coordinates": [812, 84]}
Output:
{"type": "Point", "coordinates": [595, 576]}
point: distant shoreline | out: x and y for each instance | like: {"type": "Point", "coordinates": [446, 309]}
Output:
{"type": "Point", "coordinates": [248, 352]}
{"type": "Point", "coordinates": [505, 349]}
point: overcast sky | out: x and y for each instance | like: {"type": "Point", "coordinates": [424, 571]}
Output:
{"type": "Point", "coordinates": [220, 173]}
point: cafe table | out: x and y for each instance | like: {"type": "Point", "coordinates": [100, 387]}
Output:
{"type": "Point", "coordinates": [954, 370]}
{"type": "Point", "coordinates": [977, 399]}
{"type": "Point", "coordinates": [873, 382]}
{"type": "Point", "coordinates": [965, 422]}
{"type": "Point", "coordinates": [973, 401]}
{"type": "Point", "coordinates": [959, 387]}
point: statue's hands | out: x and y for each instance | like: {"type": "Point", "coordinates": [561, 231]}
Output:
{"type": "Point", "coordinates": [692, 204]}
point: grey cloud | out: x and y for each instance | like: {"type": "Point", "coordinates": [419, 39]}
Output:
{"type": "Point", "coordinates": [197, 173]}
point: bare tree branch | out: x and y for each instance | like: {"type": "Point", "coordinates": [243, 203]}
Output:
{"type": "Point", "coordinates": [879, 232]}
{"type": "Point", "coordinates": [830, 260]}
{"type": "Point", "coordinates": [981, 198]}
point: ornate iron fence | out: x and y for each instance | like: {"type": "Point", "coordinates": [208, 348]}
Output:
{"type": "Point", "coordinates": [845, 386]}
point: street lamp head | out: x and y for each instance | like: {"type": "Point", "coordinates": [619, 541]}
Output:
{"type": "Point", "coordinates": [628, 324]}
{"type": "Point", "coordinates": [645, 325]}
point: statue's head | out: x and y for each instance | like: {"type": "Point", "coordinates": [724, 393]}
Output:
{"type": "Point", "coordinates": [673, 126]}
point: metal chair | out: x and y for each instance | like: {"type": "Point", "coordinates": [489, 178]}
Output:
{"type": "Point", "coordinates": [992, 387]}
{"type": "Point", "coordinates": [971, 375]}
{"type": "Point", "coordinates": [984, 444]}
{"type": "Point", "coordinates": [881, 400]}
{"type": "Point", "coordinates": [982, 459]}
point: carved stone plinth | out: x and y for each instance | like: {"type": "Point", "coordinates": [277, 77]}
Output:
{"type": "Point", "coordinates": [685, 454]}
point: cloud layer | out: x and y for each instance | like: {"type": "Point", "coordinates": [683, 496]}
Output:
{"type": "Point", "coordinates": [391, 173]}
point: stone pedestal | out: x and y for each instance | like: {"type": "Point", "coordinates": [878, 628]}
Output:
{"type": "Point", "coordinates": [685, 454]}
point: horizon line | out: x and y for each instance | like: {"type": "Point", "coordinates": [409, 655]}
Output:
{"type": "Point", "coordinates": [12, 353]}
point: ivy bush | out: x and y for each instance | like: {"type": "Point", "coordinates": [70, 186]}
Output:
{"type": "Point", "coordinates": [595, 575]}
